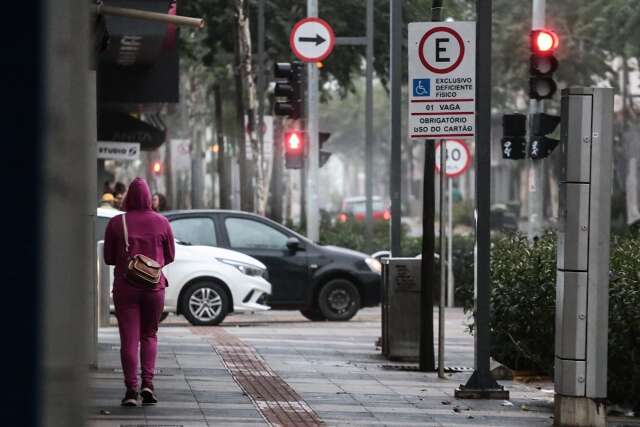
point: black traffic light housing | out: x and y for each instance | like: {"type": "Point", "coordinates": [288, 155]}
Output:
{"type": "Point", "coordinates": [542, 64]}
{"type": "Point", "coordinates": [514, 131]}
{"type": "Point", "coordinates": [295, 148]}
{"type": "Point", "coordinates": [288, 90]}
{"type": "Point", "coordinates": [540, 145]}
{"type": "Point", "coordinates": [324, 155]}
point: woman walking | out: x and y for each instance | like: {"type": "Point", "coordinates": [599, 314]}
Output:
{"type": "Point", "coordinates": [140, 233]}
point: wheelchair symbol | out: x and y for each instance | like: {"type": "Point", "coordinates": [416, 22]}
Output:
{"type": "Point", "coordinates": [421, 87]}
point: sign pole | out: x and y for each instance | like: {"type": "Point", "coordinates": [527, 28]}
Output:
{"type": "Point", "coordinates": [450, 284]}
{"type": "Point", "coordinates": [313, 225]}
{"type": "Point", "coordinates": [481, 384]}
{"type": "Point", "coordinates": [443, 278]}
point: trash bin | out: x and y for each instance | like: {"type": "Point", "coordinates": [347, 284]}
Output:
{"type": "Point", "coordinates": [401, 308]}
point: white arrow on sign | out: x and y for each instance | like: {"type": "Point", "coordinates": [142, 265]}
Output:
{"type": "Point", "coordinates": [312, 39]}
{"type": "Point", "coordinates": [458, 157]}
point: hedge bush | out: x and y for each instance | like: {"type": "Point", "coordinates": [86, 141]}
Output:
{"type": "Point", "coordinates": [522, 318]}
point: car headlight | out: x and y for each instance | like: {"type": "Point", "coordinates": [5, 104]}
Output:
{"type": "Point", "coordinates": [249, 270]}
{"type": "Point", "coordinates": [374, 265]}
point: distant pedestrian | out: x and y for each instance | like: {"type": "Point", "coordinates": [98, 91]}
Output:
{"type": "Point", "coordinates": [138, 305]}
{"type": "Point", "coordinates": [159, 203]}
{"type": "Point", "coordinates": [119, 193]}
{"type": "Point", "coordinates": [106, 201]}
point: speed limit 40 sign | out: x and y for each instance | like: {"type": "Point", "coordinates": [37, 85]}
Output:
{"type": "Point", "coordinates": [458, 157]}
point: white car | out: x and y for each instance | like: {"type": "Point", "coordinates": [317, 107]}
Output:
{"type": "Point", "coordinates": [207, 283]}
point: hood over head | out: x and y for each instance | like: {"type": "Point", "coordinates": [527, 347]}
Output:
{"type": "Point", "coordinates": [138, 196]}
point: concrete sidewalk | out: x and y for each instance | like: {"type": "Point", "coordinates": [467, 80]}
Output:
{"type": "Point", "coordinates": [278, 369]}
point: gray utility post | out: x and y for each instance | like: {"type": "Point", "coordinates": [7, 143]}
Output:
{"type": "Point", "coordinates": [582, 294]}
{"type": "Point", "coordinates": [395, 71]}
{"type": "Point", "coordinates": [368, 132]}
{"type": "Point", "coordinates": [313, 216]}
{"type": "Point", "coordinates": [536, 167]}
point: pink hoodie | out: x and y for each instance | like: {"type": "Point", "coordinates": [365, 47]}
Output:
{"type": "Point", "coordinates": [149, 234]}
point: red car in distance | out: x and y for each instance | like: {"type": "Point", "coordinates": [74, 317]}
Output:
{"type": "Point", "coordinates": [356, 208]}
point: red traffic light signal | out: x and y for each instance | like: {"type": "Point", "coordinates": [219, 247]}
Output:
{"type": "Point", "coordinates": [293, 141]}
{"type": "Point", "coordinates": [294, 149]}
{"type": "Point", "coordinates": [544, 42]}
{"type": "Point", "coordinates": [157, 168]}
{"type": "Point", "coordinates": [542, 64]}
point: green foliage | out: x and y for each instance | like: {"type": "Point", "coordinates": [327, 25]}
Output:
{"type": "Point", "coordinates": [351, 235]}
{"type": "Point", "coordinates": [523, 308]}
{"type": "Point", "coordinates": [523, 302]}
{"type": "Point", "coordinates": [624, 320]}
{"type": "Point", "coordinates": [462, 213]}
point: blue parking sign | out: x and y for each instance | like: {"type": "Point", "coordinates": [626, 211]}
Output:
{"type": "Point", "coordinates": [421, 87]}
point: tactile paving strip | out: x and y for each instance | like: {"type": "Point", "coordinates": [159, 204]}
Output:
{"type": "Point", "coordinates": [278, 403]}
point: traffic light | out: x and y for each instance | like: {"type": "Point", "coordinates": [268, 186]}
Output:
{"type": "Point", "coordinates": [288, 90]}
{"type": "Point", "coordinates": [514, 130]}
{"type": "Point", "coordinates": [324, 155]}
{"type": "Point", "coordinates": [157, 168]}
{"type": "Point", "coordinates": [540, 145]}
{"type": "Point", "coordinates": [542, 64]}
{"type": "Point", "coordinates": [294, 149]}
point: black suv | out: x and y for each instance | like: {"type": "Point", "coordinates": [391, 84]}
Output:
{"type": "Point", "coordinates": [323, 282]}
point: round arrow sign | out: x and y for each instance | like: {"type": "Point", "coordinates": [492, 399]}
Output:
{"type": "Point", "coordinates": [312, 39]}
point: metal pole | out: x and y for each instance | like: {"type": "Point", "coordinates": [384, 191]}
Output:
{"type": "Point", "coordinates": [395, 53]}
{"type": "Point", "coordinates": [368, 118]}
{"type": "Point", "coordinates": [426, 357]}
{"type": "Point", "coordinates": [443, 277]}
{"type": "Point", "coordinates": [450, 284]}
{"type": "Point", "coordinates": [536, 167]}
{"type": "Point", "coordinates": [261, 78]}
{"type": "Point", "coordinates": [481, 384]}
{"type": "Point", "coordinates": [151, 16]}
{"type": "Point", "coordinates": [313, 225]}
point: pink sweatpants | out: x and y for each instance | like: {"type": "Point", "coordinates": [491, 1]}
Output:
{"type": "Point", "coordinates": [138, 312]}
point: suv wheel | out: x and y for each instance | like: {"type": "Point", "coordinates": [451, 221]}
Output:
{"type": "Point", "coordinates": [339, 300]}
{"type": "Point", "coordinates": [313, 314]}
{"type": "Point", "coordinates": [205, 304]}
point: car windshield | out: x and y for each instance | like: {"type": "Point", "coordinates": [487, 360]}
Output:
{"type": "Point", "coordinates": [361, 206]}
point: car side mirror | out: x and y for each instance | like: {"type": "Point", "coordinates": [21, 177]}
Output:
{"type": "Point", "coordinates": [294, 245]}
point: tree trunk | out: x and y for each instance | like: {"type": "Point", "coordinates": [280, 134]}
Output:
{"type": "Point", "coordinates": [169, 189]}
{"type": "Point", "coordinates": [277, 185]}
{"type": "Point", "coordinates": [258, 168]}
{"type": "Point", "coordinates": [197, 169]}
{"type": "Point", "coordinates": [224, 182]}
{"type": "Point", "coordinates": [246, 197]}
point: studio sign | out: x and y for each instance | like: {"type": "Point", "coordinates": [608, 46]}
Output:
{"type": "Point", "coordinates": [113, 150]}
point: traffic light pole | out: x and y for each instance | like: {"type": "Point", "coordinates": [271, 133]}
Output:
{"type": "Point", "coordinates": [313, 223]}
{"type": "Point", "coordinates": [395, 71]}
{"type": "Point", "coordinates": [536, 167]}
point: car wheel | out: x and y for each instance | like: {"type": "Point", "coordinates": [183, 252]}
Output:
{"type": "Point", "coordinates": [205, 304]}
{"type": "Point", "coordinates": [339, 300]}
{"type": "Point", "coordinates": [313, 314]}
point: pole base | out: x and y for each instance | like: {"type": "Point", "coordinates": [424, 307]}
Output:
{"type": "Point", "coordinates": [481, 385]}
{"type": "Point", "coordinates": [573, 411]}
{"type": "Point", "coordinates": [463, 392]}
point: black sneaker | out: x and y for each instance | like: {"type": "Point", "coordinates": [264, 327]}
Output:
{"type": "Point", "coordinates": [130, 398]}
{"type": "Point", "coordinates": [148, 396]}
